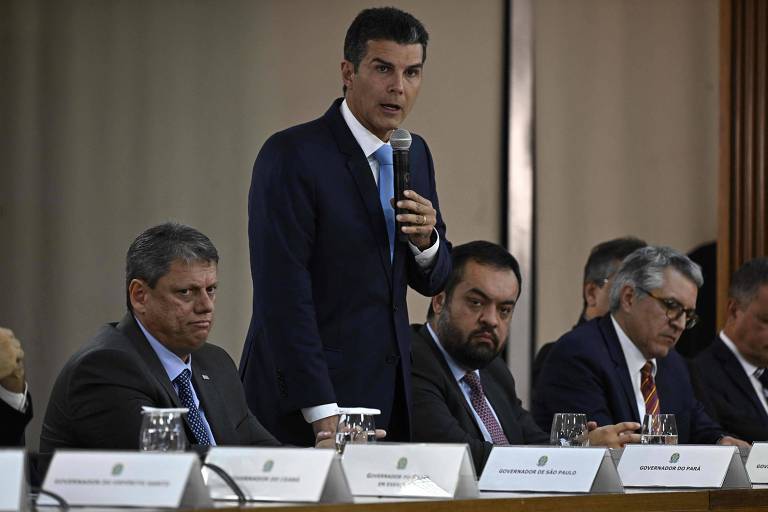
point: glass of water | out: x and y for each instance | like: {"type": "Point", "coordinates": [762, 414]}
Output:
{"type": "Point", "coordinates": [356, 426]}
{"type": "Point", "coordinates": [659, 429]}
{"type": "Point", "coordinates": [162, 430]}
{"type": "Point", "coordinates": [569, 429]}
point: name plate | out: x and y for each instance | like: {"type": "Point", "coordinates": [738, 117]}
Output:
{"type": "Point", "coordinates": [757, 463]}
{"type": "Point", "coordinates": [126, 479]}
{"type": "Point", "coordinates": [410, 470]}
{"type": "Point", "coordinates": [13, 483]}
{"type": "Point", "coordinates": [550, 469]}
{"type": "Point", "coordinates": [682, 466]}
{"type": "Point", "coordinates": [278, 474]}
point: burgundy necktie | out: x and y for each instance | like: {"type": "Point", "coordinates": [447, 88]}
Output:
{"type": "Point", "coordinates": [480, 405]}
{"type": "Point", "coordinates": [648, 388]}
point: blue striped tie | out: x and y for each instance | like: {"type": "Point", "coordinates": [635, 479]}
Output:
{"type": "Point", "coordinates": [383, 155]}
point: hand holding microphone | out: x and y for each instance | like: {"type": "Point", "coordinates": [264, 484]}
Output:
{"type": "Point", "coordinates": [415, 217]}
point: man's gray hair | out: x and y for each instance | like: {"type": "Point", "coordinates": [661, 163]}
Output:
{"type": "Point", "coordinates": [645, 268]}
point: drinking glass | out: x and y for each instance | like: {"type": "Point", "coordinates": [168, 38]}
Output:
{"type": "Point", "coordinates": [162, 430]}
{"type": "Point", "coordinates": [659, 429]}
{"type": "Point", "coordinates": [356, 425]}
{"type": "Point", "coordinates": [569, 429]}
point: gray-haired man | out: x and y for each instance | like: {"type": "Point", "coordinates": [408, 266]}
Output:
{"type": "Point", "coordinates": [622, 366]}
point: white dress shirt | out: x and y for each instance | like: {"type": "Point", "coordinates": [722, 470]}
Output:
{"type": "Point", "coordinates": [635, 362]}
{"type": "Point", "coordinates": [17, 401]}
{"type": "Point", "coordinates": [751, 370]}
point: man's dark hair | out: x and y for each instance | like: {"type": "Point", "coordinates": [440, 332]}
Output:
{"type": "Point", "coordinates": [150, 256]}
{"type": "Point", "coordinates": [385, 24]}
{"type": "Point", "coordinates": [484, 253]}
{"type": "Point", "coordinates": [605, 258]}
{"type": "Point", "coordinates": [747, 280]}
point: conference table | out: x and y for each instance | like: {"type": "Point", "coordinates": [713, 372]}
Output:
{"type": "Point", "coordinates": [630, 501]}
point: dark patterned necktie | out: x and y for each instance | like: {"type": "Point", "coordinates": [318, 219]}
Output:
{"type": "Point", "coordinates": [763, 378]}
{"type": "Point", "coordinates": [184, 387]}
{"type": "Point", "coordinates": [383, 155]}
{"type": "Point", "coordinates": [480, 405]}
{"type": "Point", "coordinates": [648, 388]}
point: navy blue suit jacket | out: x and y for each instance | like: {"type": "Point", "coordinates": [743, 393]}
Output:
{"type": "Point", "coordinates": [724, 388]}
{"type": "Point", "coordinates": [330, 321]}
{"type": "Point", "coordinates": [586, 372]}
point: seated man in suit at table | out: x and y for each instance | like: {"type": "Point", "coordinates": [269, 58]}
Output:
{"type": "Point", "coordinates": [731, 378]}
{"type": "Point", "coordinates": [15, 404]}
{"type": "Point", "coordinates": [603, 262]}
{"type": "Point", "coordinates": [156, 356]}
{"type": "Point", "coordinates": [622, 366]}
{"type": "Point", "coordinates": [463, 392]}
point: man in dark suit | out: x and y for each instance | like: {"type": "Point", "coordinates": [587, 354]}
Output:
{"type": "Point", "coordinates": [622, 366]}
{"type": "Point", "coordinates": [330, 323]}
{"type": "Point", "coordinates": [603, 262]}
{"type": "Point", "coordinates": [15, 403]}
{"type": "Point", "coordinates": [730, 374]}
{"type": "Point", "coordinates": [463, 392]}
{"type": "Point", "coordinates": [156, 356]}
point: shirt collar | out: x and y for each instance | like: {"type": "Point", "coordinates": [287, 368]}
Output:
{"type": "Point", "coordinates": [457, 371]}
{"type": "Point", "coordinates": [171, 362]}
{"type": "Point", "coordinates": [749, 368]}
{"type": "Point", "coordinates": [634, 358]}
{"type": "Point", "coordinates": [367, 141]}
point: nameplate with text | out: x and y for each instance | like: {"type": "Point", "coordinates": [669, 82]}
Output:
{"type": "Point", "coordinates": [757, 463]}
{"type": "Point", "coordinates": [410, 470]}
{"type": "Point", "coordinates": [13, 492]}
{"type": "Point", "coordinates": [550, 469]}
{"type": "Point", "coordinates": [278, 474]}
{"type": "Point", "coordinates": [682, 466]}
{"type": "Point", "coordinates": [126, 479]}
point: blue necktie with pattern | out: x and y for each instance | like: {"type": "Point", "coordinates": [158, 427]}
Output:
{"type": "Point", "coordinates": [383, 155]}
{"type": "Point", "coordinates": [184, 387]}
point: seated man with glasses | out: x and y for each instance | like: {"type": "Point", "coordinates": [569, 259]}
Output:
{"type": "Point", "coordinates": [622, 366]}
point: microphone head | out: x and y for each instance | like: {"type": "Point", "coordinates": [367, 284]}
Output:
{"type": "Point", "coordinates": [400, 140]}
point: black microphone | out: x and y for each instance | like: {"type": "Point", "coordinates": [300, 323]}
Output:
{"type": "Point", "coordinates": [400, 140]}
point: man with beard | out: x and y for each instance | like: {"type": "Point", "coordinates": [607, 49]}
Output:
{"type": "Point", "coordinates": [463, 392]}
{"type": "Point", "coordinates": [622, 366]}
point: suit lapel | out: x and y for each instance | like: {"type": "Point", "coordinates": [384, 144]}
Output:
{"type": "Point", "coordinates": [131, 330]}
{"type": "Point", "coordinates": [212, 403]}
{"type": "Point", "coordinates": [735, 372]}
{"type": "Point", "coordinates": [620, 362]}
{"type": "Point", "coordinates": [357, 165]}
{"type": "Point", "coordinates": [452, 384]}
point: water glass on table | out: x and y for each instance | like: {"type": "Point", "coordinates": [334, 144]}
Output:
{"type": "Point", "coordinates": [569, 429]}
{"type": "Point", "coordinates": [659, 429]}
{"type": "Point", "coordinates": [356, 426]}
{"type": "Point", "coordinates": [162, 430]}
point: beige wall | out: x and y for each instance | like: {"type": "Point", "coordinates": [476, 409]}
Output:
{"type": "Point", "coordinates": [626, 134]}
{"type": "Point", "coordinates": [117, 115]}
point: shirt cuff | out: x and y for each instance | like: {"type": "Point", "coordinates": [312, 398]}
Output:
{"type": "Point", "coordinates": [318, 412]}
{"type": "Point", "coordinates": [17, 401]}
{"type": "Point", "coordinates": [425, 259]}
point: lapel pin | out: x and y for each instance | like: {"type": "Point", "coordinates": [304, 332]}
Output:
{"type": "Point", "coordinates": [205, 377]}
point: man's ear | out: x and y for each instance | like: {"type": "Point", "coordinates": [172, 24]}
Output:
{"type": "Point", "coordinates": [438, 303]}
{"type": "Point", "coordinates": [627, 297]}
{"type": "Point", "coordinates": [733, 309]}
{"type": "Point", "coordinates": [347, 70]}
{"type": "Point", "coordinates": [138, 293]}
{"type": "Point", "coordinates": [590, 294]}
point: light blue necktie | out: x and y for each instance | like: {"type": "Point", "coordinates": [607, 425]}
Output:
{"type": "Point", "coordinates": [193, 416]}
{"type": "Point", "coordinates": [383, 155]}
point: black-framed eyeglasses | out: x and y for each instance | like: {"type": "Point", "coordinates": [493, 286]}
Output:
{"type": "Point", "coordinates": [674, 309]}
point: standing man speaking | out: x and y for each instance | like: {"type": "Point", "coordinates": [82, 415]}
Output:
{"type": "Point", "coordinates": [330, 325]}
